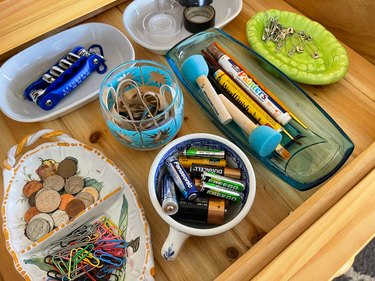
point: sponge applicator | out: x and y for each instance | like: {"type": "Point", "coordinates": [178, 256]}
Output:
{"type": "Point", "coordinates": [195, 70]}
{"type": "Point", "coordinates": [262, 139]}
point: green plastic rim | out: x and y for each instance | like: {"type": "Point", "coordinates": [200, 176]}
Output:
{"type": "Point", "coordinates": [330, 67]}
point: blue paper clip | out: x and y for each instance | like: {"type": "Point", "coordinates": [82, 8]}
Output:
{"type": "Point", "coordinates": [66, 75]}
{"type": "Point", "coordinates": [108, 258]}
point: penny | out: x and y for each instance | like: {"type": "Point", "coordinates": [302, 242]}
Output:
{"type": "Point", "coordinates": [72, 158]}
{"type": "Point", "coordinates": [47, 200]}
{"type": "Point", "coordinates": [93, 191]}
{"type": "Point", "coordinates": [74, 184]}
{"type": "Point", "coordinates": [65, 198]}
{"type": "Point", "coordinates": [86, 197]}
{"type": "Point", "coordinates": [59, 217]}
{"type": "Point", "coordinates": [31, 186]}
{"type": "Point", "coordinates": [54, 182]}
{"type": "Point", "coordinates": [32, 199]}
{"type": "Point", "coordinates": [30, 213]}
{"type": "Point", "coordinates": [67, 168]}
{"type": "Point", "coordinates": [46, 217]}
{"type": "Point", "coordinates": [74, 207]}
{"type": "Point", "coordinates": [37, 229]}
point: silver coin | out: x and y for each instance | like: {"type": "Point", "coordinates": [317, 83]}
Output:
{"type": "Point", "coordinates": [46, 217]}
{"type": "Point", "coordinates": [55, 182]}
{"type": "Point", "coordinates": [36, 229]}
{"type": "Point", "coordinates": [74, 184]}
{"type": "Point", "coordinates": [59, 217]}
{"type": "Point", "coordinates": [47, 200]}
{"type": "Point", "coordinates": [86, 197]}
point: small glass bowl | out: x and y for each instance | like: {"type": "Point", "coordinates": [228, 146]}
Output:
{"type": "Point", "coordinates": [153, 130]}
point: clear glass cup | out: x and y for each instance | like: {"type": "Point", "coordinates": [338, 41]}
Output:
{"type": "Point", "coordinates": [142, 104]}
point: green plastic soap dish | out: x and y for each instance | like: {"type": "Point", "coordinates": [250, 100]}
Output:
{"type": "Point", "coordinates": [329, 67]}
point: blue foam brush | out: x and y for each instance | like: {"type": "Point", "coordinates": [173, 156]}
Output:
{"type": "Point", "coordinates": [195, 70]}
{"type": "Point", "coordinates": [262, 139]}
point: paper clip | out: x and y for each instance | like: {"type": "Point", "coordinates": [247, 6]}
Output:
{"type": "Point", "coordinates": [108, 258]}
{"type": "Point", "coordinates": [61, 266]}
{"type": "Point", "coordinates": [54, 274]}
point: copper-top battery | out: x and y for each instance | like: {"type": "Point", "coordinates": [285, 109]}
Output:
{"type": "Point", "coordinates": [196, 170]}
{"type": "Point", "coordinates": [186, 162]}
{"type": "Point", "coordinates": [204, 209]}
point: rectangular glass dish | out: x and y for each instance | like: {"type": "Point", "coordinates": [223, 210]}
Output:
{"type": "Point", "coordinates": [316, 152]}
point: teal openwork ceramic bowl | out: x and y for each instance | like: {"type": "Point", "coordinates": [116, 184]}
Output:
{"type": "Point", "coordinates": [137, 84]}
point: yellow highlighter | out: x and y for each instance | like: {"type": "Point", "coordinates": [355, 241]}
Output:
{"type": "Point", "coordinates": [251, 106]}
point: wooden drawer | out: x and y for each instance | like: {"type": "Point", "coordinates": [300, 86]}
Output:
{"type": "Point", "coordinates": [280, 213]}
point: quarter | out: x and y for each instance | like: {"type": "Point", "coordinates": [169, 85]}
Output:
{"type": "Point", "coordinates": [55, 182]}
{"type": "Point", "coordinates": [93, 191]}
{"type": "Point", "coordinates": [59, 217]}
{"type": "Point", "coordinates": [46, 217]}
{"type": "Point", "coordinates": [74, 184]}
{"type": "Point", "coordinates": [47, 200]}
{"type": "Point", "coordinates": [36, 229]}
{"type": "Point", "coordinates": [86, 197]}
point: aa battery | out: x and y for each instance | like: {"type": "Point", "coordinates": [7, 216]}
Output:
{"type": "Point", "coordinates": [208, 210]}
{"type": "Point", "coordinates": [204, 151]}
{"type": "Point", "coordinates": [181, 178]}
{"type": "Point", "coordinates": [223, 181]}
{"type": "Point", "coordinates": [186, 162]}
{"type": "Point", "coordinates": [222, 192]}
{"type": "Point", "coordinates": [169, 198]}
{"type": "Point", "coordinates": [196, 171]}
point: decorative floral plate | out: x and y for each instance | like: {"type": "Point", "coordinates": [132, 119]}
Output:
{"type": "Point", "coordinates": [118, 201]}
{"type": "Point", "coordinates": [330, 63]}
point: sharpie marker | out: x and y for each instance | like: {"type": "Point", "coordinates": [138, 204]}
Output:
{"type": "Point", "coordinates": [250, 86]}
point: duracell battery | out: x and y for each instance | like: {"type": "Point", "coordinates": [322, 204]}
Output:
{"type": "Point", "coordinates": [204, 209]}
{"type": "Point", "coordinates": [186, 162]}
{"type": "Point", "coordinates": [196, 171]}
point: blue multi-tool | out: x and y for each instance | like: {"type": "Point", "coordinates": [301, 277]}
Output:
{"type": "Point", "coordinates": [66, 75]}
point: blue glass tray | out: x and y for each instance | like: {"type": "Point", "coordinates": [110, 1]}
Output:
{"type": "Point", "coordinates": [316, 153]}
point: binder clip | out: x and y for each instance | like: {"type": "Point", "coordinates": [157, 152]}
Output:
{"type": "Point", "coordinates": [66, 75]}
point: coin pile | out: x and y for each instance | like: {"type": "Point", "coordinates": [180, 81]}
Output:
{"type": "Point", "coordinates": [57, 197]}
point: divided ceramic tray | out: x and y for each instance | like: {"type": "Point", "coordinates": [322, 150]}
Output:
{"type": "Point", "coordinates": [316, 152]}
{"type": "Point", "coordinates": [133, 17]}
{"type": "Point", "coordinates": [117, 201]}
{"type": "Point", "coordinates": [27, 66]}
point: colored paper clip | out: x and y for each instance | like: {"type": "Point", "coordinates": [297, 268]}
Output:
{"type": "Point", "coordinates": [110, 224]}
{"type": "Point", "coordinates": [61, 265]}
{"type": "Point", "coordinates": [55, 275]}
{"type": "Point", "coordinates": [108, 258]}
{"type": "Point", "coordinates": [105, 271]}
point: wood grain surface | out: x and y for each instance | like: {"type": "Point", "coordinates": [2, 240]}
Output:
{"type": "Point", "coordinates": [352, 26]}
{"type": "Point", "coordinates": [24, 22]}
{"type": "Point", "coordinates": [350, 102]}
{"type": "Point", "coordinates": [331, 241]}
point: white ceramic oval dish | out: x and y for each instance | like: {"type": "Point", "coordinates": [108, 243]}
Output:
{"type": "Point", "coordinates": [27, 66]}
{"type": "Point", "coordinates": [225, 12]}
